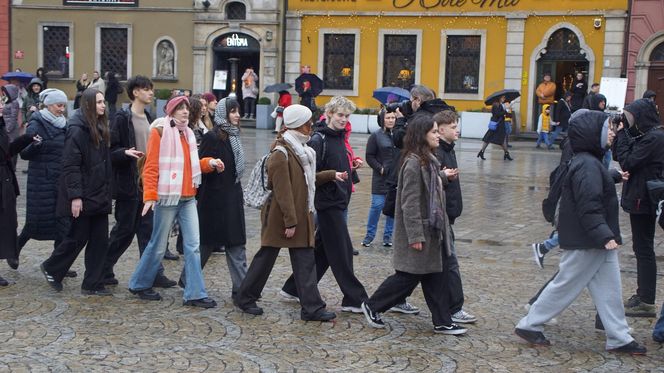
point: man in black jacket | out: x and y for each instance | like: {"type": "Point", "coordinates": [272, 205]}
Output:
{"type": "Point", "coordinates": [334, 248]}
{"type": "Point", "coordinates": [590, 236]}
{"type": "Point", "coordinates": [639, 149]}
{"type": "Point", "coordinates": [129, 137]}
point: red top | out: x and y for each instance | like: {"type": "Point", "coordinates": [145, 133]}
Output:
{"type": "Point", "coordinates": [285, 100]}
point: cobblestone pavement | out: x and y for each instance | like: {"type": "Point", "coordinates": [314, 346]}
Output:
{"type": "Point", "coordinates": [45, 331]}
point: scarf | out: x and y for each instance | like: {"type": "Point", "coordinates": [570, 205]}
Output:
{"type": "Point", "coordinates": [221, 120]}
{"type": "Point", "coordinates": [57, 122]}
{"type": "Point", "coordinates": [436, 207]}
{"type": "Point", "coordinates": [307, 155]}
{"type": "Point", "coordinates": [171, 160]}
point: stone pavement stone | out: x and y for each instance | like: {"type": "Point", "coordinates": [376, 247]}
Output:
{"type": "Point", "coordinates": [45, 331]}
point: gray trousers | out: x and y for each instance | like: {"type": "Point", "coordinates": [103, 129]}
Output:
{"type": "Point", "coordinates": [236, 259]}
{"type": "Point", "coordinates": [599, 271]}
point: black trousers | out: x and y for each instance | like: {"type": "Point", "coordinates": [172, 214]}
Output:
{"type": "Point", "coordinates": [85, 230]}
{"type": "Point", "coordinates": [334, 250]}
{"type": "Point", "coordinates": [304, 274]}
{"type": "Point", "coordinates": [128, 223]}
{"type": "Point", "coordinates": [249, 106]}
{"type": "Point", "coordinates": [62, 226]}
{"type": "Point", "coordinates": [454, 280]}
{"type": "Point", "coordinates": [643, 244]}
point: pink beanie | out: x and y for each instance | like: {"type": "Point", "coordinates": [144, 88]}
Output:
{"type": "Point", "coordinates": [174, 103]}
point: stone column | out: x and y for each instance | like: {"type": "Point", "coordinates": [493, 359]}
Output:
{"type": "Point", "coordinates": [293, 48]}
{"type": "Point", "coordinates": [199, 70]}
{"type": "Point", "coordinates": [516, 25]}
{"type": "Point", "coordinates": [614, 36]}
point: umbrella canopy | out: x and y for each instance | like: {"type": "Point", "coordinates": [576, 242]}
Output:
{"type": "Point", "coordinates": [510, 95]}
{"type": "Point", "coordinates": [393, 94]}
{"type": "Point", "coordinates": [21, 76]}
{"type": "Point", "coordinates": [278, 87]}
{"type": "Point", "coordinates": [312, 81]}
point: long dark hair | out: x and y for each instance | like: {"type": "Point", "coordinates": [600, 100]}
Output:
{"type": "Point", "coordinates": [97, 124]}
{"type": "Point", "coordinates": [231, 103]}
{"type": "Point", "coordinates": [195, 107]}
{"type": "Point", "coordinates": [415, 141]}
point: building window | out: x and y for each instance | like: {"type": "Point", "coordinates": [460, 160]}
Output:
{"type": "Point", "coordinates": [55, 47]}
{"type": "Point", "coordinates": [236, 10]}
{"type": "Point", "coordinates": [339, 61]}
{"type": "Point", "coordinates": [657, 53]}
{"type": "Point", "coordinates": [113, 46]}
{"type": "Point", "coordinates": [399, 60]}
{"type": "Point", "coordinates": [462, 64]}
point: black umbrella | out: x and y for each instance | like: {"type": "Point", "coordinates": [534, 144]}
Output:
{"type": "Point", "coordinates": [278, 87]}
{"type": "Point", "coordinates": [510, 95]}
{"type": "Point", "coordinates": [311, 80]}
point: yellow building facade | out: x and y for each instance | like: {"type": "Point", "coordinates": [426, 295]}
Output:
{"type": "Point", "coordinates": [463, 49]}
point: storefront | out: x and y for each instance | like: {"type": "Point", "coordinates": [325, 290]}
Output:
{"type": "Point", "coordinates": [463, 49]}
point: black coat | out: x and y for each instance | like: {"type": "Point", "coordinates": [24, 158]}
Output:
{"type": "Point", "coordinates": [334, 194]}
{"type": "Point", "coordinates": [9, 191]}
{"type": "Point", "coordinates": [579, 91]}
{"type": "Point", "coordinates": [497, 136]}
{"type": "Point", "coordinates": [86, 171]}
{"type": "Point", "coordinates": [454, 204]}
{"type": "Point", "coordinates": [562, 114]}
{"type": "Point", "coordinates": [380, 154]}
{"type": "Point", "coordinates": [588, 204]}
{"type": "Point", "coordinates": [125, 172]}
{"type": "Point", "coordinates": [220, 199]}
{"type": "Point", "coordinates": [641, 155]}
{"type": "Point", "coordinates": [113, 89]}
{"type": "Point", "coordinates": [45, 165]}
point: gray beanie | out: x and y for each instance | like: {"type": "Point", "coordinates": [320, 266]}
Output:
{"type": "Point", "coordinates": [296, 115]}
{"type": "Point", "coordinates": [52, 96]}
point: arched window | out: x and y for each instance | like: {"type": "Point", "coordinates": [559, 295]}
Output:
{"type": "Point", "coordinates": [657, 53]}
{"type": "Point", "coordinates": [563, 45]}
{"type": "Point", "coordinates": [236, 10]}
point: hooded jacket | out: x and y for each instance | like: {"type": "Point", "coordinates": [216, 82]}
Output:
{"type": "Point", "coordinates": [588, 204]}
{"type": "Point", "coordinates": [447, 157]}
{"type": "Point", "coordinates": [595, 100]}
{"type": "Point", "coordinates": [380, 156]}
{"type": "Point", "coordinates": [544, 122]}
{"type": "Point", "coordinates": [334, 194]}
{"type": "Point", "coordinates": [32, 99]}
{"type": "Point", "coordinates": [640, 151]}
{"type": "Point", "coordinates": [11, 110]}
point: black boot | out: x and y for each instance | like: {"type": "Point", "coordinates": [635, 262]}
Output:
{"type": "Point", "coordinates": [481, 155]}
{"type": "Point", "coordinates": [13, 263]}
{"type": "Point", "coordinates": [3, 282]}
{"type": "Point", "coordinates": [507, 157]}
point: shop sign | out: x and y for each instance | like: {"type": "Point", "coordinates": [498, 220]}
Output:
{"type": "Point", "coordinates": [132, 3]}
{"type": "Point", "coordinates": [437, 4]}
{"type": "Point", "coordinates": [236, 41]}
{"type": "Point", "coordinates": [19, 54]}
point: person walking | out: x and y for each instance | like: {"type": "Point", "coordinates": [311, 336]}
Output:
{"type": "Point", "coordinates": [543, 127]}
{"type": "Point", "coordinates": [639, 149]}
{"type": "Point", "coordinates": [421, 232]}
{"type": "Point", "coordinates": [285, 100]}
{"type": "Point", "coordinates": [590, 236]}
{"type": "Point", "coordinates": [113, 89]}
{"type": "Point", "coordinates": [196, 115]}
{"type": "Point", "coordinates": [587, 101]}
{"type": "Point", "coordinates": [81, 85]}
{"type": "Point", "coordinates": [171, 175]}
{"type": "Point", "coordinates": [249, 92]}
{"type": "Point", "coordinates": [84, 196]}
{"type": "Point", "coordinates": [129, 138]}
{"type": "Point", "coordinates": [211, 105]}
{"type": "Point", "coordinates": [579, 91]}
{"type": "Point", "coordinates": [31, 102]}
{"type": "Point", "coordinates": [380, 153]}
{"type": "Point", "coordinates": [287, 218]}
{"type": "Point", "coordinates": [220, 198]}
{"type": "Point", "coordinates": [497, 136]}
{"type": "Point", "coordinates": [560, 117]}
{"type": "Point", "coordinates": [10, 114]}
{"type": "Point", "coordinates": [44, 168]}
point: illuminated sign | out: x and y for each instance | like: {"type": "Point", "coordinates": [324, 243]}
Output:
{"type": "Point", "coordinates": [132, 3]}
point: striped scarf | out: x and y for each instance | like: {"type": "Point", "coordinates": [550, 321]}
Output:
{"type": "Point", "coordinates": [172, 158]}
{"type": "Point", "coordinates": [221, 120]}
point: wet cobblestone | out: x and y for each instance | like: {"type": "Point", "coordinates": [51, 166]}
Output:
{"type": "Point", "coordinates": [45, 331]}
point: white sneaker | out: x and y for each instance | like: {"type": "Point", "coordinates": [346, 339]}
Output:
{"type": "Point", "coordinates": [289, 297]}
{"type": "Point", "coordinates": [352, 309]}
{"type": "Point", "coordinates": [463, 317]}
{"type": "Point", "coordinates": [406, 308]}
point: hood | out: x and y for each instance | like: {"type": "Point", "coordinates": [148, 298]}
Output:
{"type": "Point", "coordinates": [645, 116]}
{"type": "Point", "coordinates": [435, 106]}
{"type": "Point", "coordinates": [221, 112]}
{"type": "Point", "coordinates": [10, 91]}
{"type": "Point", "coordinates": [544, 107]}
{"type": "Point", "coordinates": [35, 81]}
{"type": "Point", "coordinates": [595, 100]}
{"type": "Point", "coordinates": [587, 131]}
{"type": "Point", "coordinates": [77, 120]}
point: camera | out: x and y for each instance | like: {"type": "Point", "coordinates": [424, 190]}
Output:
{"type": "Point", "coordinates": [404, 107]}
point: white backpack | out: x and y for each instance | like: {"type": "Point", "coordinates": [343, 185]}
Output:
{"type": "Point", "coordinates": [256, 193]}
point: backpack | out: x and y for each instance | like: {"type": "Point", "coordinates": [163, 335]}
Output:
{"type": "Point", "coordinates": [556, 180]}
{"type": "Point", "coordinates": [256, 193]}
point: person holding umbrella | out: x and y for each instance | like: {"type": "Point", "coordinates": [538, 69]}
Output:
{"type": "Point", "coordinates": [285, 100]}
{"type": "Point", "coordinates": [499, 109]}
{"type": "Point", "coordinates": [308, 86]}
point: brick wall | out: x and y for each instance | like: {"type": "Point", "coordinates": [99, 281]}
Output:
{"type": "Point", "coordinates": [5, 52]}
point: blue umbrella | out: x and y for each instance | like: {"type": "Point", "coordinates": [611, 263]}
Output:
{"type": "Point", "coordinates": [398, 94]}
{"type": "Point", "coordinates": [21, 76]}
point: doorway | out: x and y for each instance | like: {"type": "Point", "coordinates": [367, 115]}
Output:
{"type": "Point", "coordinates": [656, 75]}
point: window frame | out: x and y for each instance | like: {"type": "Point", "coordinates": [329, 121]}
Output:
{"type": "Point", "coordinates": [40, 45]}
{"type": "Point", "coordinates": [381, 52]}
{"type": "Point", "coordinates": [98, 28]}
{"type": "Point", "coordinates": [482, 33]}
{"type": "Point", "coordinates": [356, 60]}
{"type": "Point", "coordinates": [231, 2]}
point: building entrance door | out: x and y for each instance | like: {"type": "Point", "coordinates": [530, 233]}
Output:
{"type": "Point", "coordinates": [656, 75]}
{"type": "Point", "coordinates": [233, 54]}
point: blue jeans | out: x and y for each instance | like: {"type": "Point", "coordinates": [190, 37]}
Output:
{"type": "Point", "coordinates": [608, 157]}
{"type": "Point", "coordinates": [552, 242]}
{"type": "Point", "coordinates": [658, 332]}
{"type": "Point", "coordinates": [542, 137]}
{"type": "Point", "coordinates": [554, 134]}
{"type": "Point", "coordinates": [377, 203]}
{"type": "Point", "coordinates": [148, 266]}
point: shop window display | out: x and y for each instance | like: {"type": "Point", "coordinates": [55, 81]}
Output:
{"type": "Point", "coordinates": [339, 61]}
{"type": "Point", "coordinates": [399, 60]}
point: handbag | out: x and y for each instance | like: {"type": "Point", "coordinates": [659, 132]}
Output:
{"type": "Point", "coordinates": [493, 125]}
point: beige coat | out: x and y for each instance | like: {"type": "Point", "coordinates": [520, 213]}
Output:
{"type": "Point", "coordinates": [411, 221]}
{"type": "Point", "coordinates": [288, 206]}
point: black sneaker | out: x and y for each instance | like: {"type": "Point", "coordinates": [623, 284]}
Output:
{"type": "Point", "coordinates": [146, 294]}
{"type": "Point", "coordinates": [633, 301]}
{"type": "Point", "coordinates": [71, 274]}
{"type": "Point", "coordinates": [372, 317]}
{"type": "Point", "coordinates": [365, 244]}
{"type": "Point", "coordinates": [3, 282]}
{"type": "Point", "coordinates": [57, 286]}
{"type": "Point", "coordinates": [13, 263]}
{"type": "Point", "coordinates": [387, 244]}
{"type": "Point", "coordinates": [355, 252]}
{"type": "Point", "coordinates": [100, 292]}
{"type": "Point", "coordinates": [251, 309]}
{"type": "Point", "coordinates": [539, 254]}
{"type": "Point", "coordinates": [111, 281]}
{"type": "Point", "coordinates": [163, 282]}
{"type": "Point", "coordinates": [169, 255]}
{"type": "Point", "coordinates": [631, 348]}
{"type": "Point", "coordinates": [534, 338]}
{"type": "Point", "coordinates": [452, 329]}
{"type": "Point", "coordinates": [202, 303]}
{"type": "Point", "coordinates": [323, 315]}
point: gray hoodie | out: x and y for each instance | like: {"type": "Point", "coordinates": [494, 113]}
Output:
{"type": "Point", "coordinates": [11, 110]}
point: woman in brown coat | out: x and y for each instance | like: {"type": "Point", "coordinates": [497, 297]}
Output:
{"type": "Point", "coordinates": [287, 218]}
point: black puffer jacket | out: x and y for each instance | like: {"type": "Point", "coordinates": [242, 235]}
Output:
{"type": "Point", "coordinates": [588, 204]}
{"type": "Point", "coordinates": [640, 150]}
{"type": "Point", "coordinates": [125, 173]}
{"type": "Point", "coordinates": [86, 171]}
{"type": "Point", "coordinates": [595, 101]}
{"type": "Point", "coordinates": [335, 194]}
{"type": "Point", "coordinates": [380, 156]}
{"type": "Point", "coordinates": [454, 204]}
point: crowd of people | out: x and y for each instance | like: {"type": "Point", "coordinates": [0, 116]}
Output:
{"type": "Point", "coordinates": [186, 169]}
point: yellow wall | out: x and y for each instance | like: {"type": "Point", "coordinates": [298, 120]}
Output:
{"type": "Point", "coordinates": [456, 5]}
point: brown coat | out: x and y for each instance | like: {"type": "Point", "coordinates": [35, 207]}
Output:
{"type": "Point", "coordinates": [546, 92]}
{"type": "Point", "coordinates": [288, 206]}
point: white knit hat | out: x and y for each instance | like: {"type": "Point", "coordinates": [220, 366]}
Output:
{"type": "Point", "coordinates": [296, 115]}
{"type": "Point", "coordinates": [53, 96]}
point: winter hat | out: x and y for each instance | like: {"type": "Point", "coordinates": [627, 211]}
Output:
{"type": "Point", "coordinates": [174, 103]}
{"type": "Point", "coordinates": [649, 94]}
{"type": "Point", "coordinates": [296, 115]}
{"type": "Point", "coordinates": [209, 97]}
{"type": "Point", "coordinates": [52, 96]}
